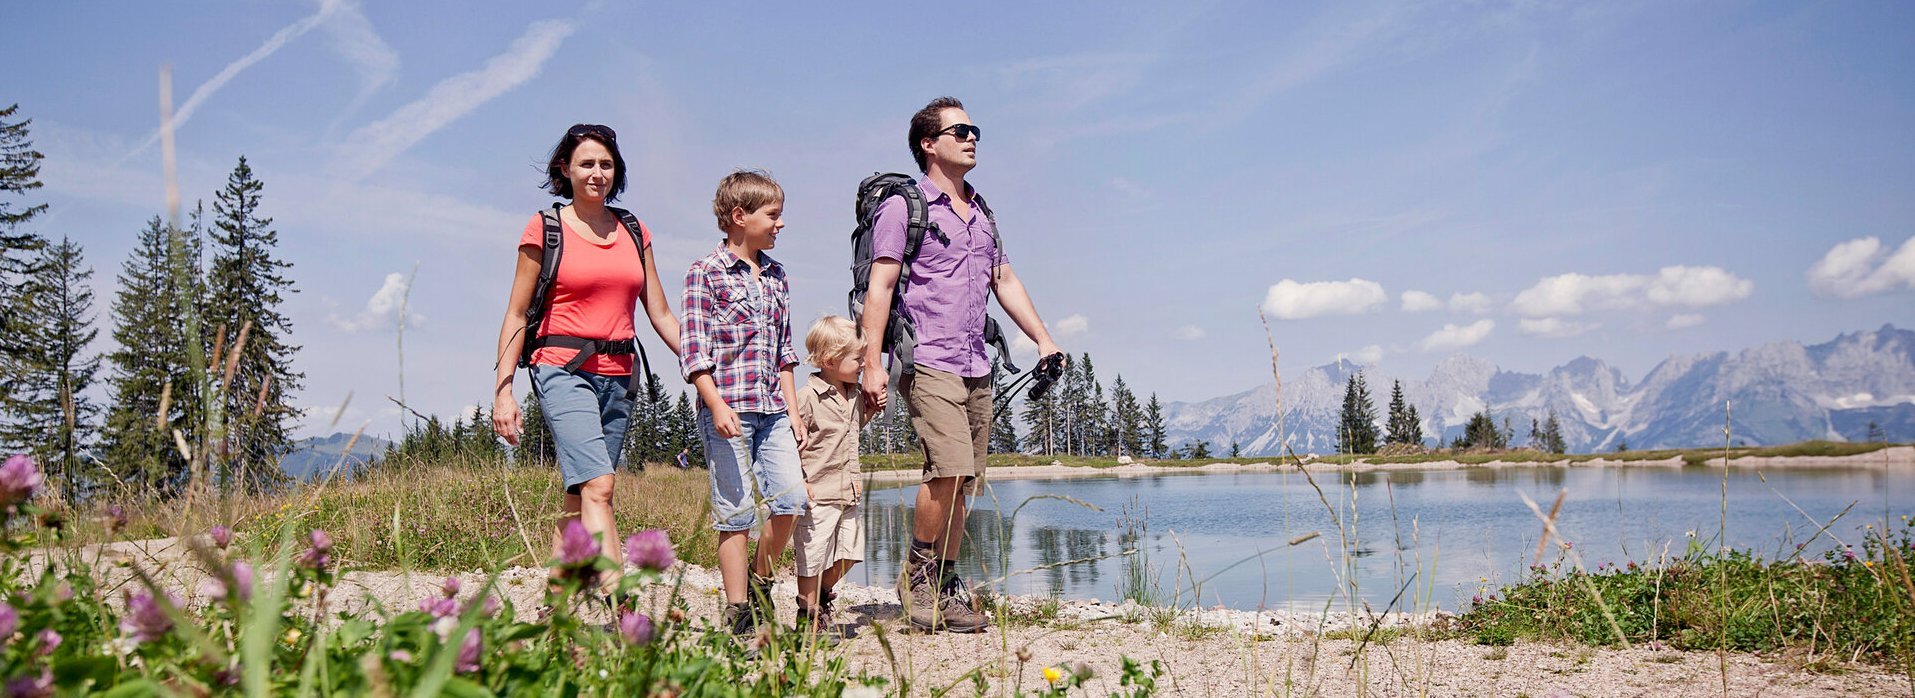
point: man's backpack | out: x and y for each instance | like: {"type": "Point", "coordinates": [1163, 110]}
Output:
{"type": "Point", "coordinates": [900, 335]}
{"type": "Point", "coordinates": [553, 249]}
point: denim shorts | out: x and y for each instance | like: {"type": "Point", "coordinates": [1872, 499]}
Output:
{"type": "Point", "coordinates": [587, 414]}
{"type": "Point", "coordinates": [765, 454]}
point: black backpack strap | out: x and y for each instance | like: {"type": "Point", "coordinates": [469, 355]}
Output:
{"type": "Point", "coordinates": [644, 364]}
{"type": "Point", "coordinates": [552, 250]}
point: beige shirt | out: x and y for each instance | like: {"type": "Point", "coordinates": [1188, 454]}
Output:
{"type": "Point", "coordinates": [831, 416]}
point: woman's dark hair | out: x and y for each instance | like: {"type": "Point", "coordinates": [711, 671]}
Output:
{"type": "Point", "coordinates": [560, 185]}
{"type": "Point", "coordinates": [924, 124]}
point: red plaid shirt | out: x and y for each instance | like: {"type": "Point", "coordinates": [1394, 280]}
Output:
{"type": "Point", "coordinates": [738, 326]}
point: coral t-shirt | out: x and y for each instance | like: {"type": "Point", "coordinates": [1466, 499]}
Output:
{"type": "Point", "coordinates": [593, 296]}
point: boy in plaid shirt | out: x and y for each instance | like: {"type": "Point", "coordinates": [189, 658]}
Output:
{"type": "Point", "coordinates": [736, 351]}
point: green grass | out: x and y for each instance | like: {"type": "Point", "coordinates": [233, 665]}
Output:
{"type": "Point", "coordinates": [1842, 606]}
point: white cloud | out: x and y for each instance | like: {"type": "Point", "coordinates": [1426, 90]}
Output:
{"type": "Point", "coordinates": [1419, 301]}
{"type": "Point", "coordinates": [382, 310]}
{"type": "Point", "coordinates": [354, 39]}
{"type": "Point", "coordinates": [1680, 286]}
{"type": "Point", "coordinates": [1554, 328]}
{"type": "Point", "coordinates": [372, 146]}
{"type": "Point", "coordinates": [1290, 300]}
{"type": "Point", "coordinates": [1684, 321]}
{"type": "Point", "coordinates": [1571, 294]}
{"type": "Point", "coordinates": [1477, 303]}
{"type": "Point", "coordinates": [1697, 287]}
{"type": "Point", "coordinates": [1365, 356]}
{"type": "Point", "coordinates": [1071, 326]}
{"type": "Point", "coordinates": [1862, 267]}
{"type": "Point", "coordinates": [1453, 337]}
{"type": "Point", "coordinates": [1188, 333]}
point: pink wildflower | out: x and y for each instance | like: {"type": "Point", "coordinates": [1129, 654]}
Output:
{"type": "Point", "coordinates": [145, 618]}
{"type": "Point", "coordinates": [577, 546]}
{"type": "Point", "coordinates": [319, 555]}
{"type": "Point", "coordinates": [19, 479]}
{"type": "Point", "coordinates": [221, 536]}
{"type": "Point", "coordinates": [450, 587]}
{"type": "Point", "coordinates": [469, 652]}
{"type": "Point", "coordinates": [49, 641]}
{"type": "Point", "coordinates": [440, 607]}
{"type": "Point", "coordinates": [32, 686]}
{"type": "Point", "coordinates": [242, 573]}
{"type": "Point", "coordinates": [9, 621]}
{"type": "Point", "coordinates": [636, 627]}
{"type": "Point", "coordinates": [650, 550]}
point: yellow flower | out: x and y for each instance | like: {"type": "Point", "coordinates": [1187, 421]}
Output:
{"type": "Point", "coordinates": [291, 637]}
{"type": "Point", "coordinates": [1053, 674]}
{"type": "Point", "coordinates": [1868, 563]}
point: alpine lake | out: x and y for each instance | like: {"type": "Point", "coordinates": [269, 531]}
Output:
{"type": "Point", "coordinates": [1423, 539]}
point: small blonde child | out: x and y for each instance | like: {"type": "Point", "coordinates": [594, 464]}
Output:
{"type": "Point", "coordinates": [829, 539]}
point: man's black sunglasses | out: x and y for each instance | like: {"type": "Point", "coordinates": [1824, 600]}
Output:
{"type": "Point", "coordinates": [962, 131]}
{"type": "Point", "coordinates": [600, 130]}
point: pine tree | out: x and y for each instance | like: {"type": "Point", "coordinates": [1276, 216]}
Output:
{"type": "Point", "coordinates": [1127, 420]}
{"type": "Point", "coordinates": [685, 431]}
{"type": "Point", "coordinates": [1552, 435]}
{"type": "Point", "coordinates": [1622, 445]}
{"type": "Point", "coordinates": [649, 433]}
{"type": "Point", "coordinates": [536, 447]}
{"type": "Point", "coordinates": [1357, 426]}
{"type": "Point", "coordinates": [1875, 433]}
{"type": "Point", "coordinates": [247, 285]}
{"type": "Point", "coordinates": [52, 416]}
{"type": "Point", "coordinates": [1481, 432]}
{"type": "Point", "coordinates": [1402, 425]}
{"type": "Point", "coordinates": [1044, 423]}
{"type": "Point", "coordinates": [1154, 427]}
{"type": "Point", "coordinates": [1416, 429]}
{"type": "Point", "coordinates": [149, 366]}
{"type": "Point", "coordinates": [1536, 434]}
{"type": "Point", "coordinates": [1236, 450]}
{"type": "Point", "coordinates": [19, 250]}
{"type": "Point", "coordinates": [1072, 394]}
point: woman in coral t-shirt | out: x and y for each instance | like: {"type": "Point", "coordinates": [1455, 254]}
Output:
{"type": "Point", "coordinates": [599, 283]}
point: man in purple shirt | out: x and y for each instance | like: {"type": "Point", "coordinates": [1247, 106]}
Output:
{"type": "Point", "coordinates": [949, 394]}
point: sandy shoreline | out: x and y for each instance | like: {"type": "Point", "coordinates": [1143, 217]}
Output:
{"type": "Point", "coordinates": [1889, 458]}
{"type": "Point", "coordinates": [1204, 652]}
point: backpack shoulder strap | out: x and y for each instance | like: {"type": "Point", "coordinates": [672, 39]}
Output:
{"type": "Point", "coordinates": [631, 227]}
{"type": "Point", "coordinates": [917, 219]}
{"type": "Point", "coordinates": [551, 250]}
{"type": "Point", "coordinates": [985, 206]}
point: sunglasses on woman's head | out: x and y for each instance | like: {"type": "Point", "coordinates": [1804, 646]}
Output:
{"type": "Point", "coordinates": [602, 131]}
{"type": "Point", "coordinates": [962, 131]}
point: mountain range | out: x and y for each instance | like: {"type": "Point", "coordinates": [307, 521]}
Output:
{"type": "Point", "coordinates": [313, 458]}
{"type": "Point", "coordinates": [1780, 392]}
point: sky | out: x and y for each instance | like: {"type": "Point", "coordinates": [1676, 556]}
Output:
{"type": "Point", "coordinates": [1389, 183]}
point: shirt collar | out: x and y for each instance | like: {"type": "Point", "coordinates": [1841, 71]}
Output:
{"type": "Point", "coordinates": [731, 261]}
{"type": "Point", "coordinates": [934, 195]}
{"type": "Point", "coordinates": [822, 386]}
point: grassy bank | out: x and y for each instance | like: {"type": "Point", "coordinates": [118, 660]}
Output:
{"type": "Point", "coordinates": [436, 518]}
{"type": "Point", "coordinates": [1857, 602]}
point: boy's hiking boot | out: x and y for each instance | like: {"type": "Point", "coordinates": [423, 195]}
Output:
{"type": "Point", "coordinates": [918, 594]}
{"type": "Point", "coordinates": [741, 620]}
{"type": "Point", "coordinates": [815, 622]}
{"type": "Point", "coordinates": [758, 594]}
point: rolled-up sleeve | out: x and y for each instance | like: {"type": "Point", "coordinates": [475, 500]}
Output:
{"type": "Point", "coordinates": [694, 334]}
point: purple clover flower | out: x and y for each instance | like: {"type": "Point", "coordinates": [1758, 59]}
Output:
{"type": "Point", "coordinates": [1848, 554]}
{"type": "Point", "coordinates": [440, 607]}
{"type": "Point", "coordinates": [650, 550]}
{"type": "Point", "coordinates": [145, 618]}
{"type": "Point", "coordinates": [221, 536]}
{"type": "Point", "coordinates": [9, 621]}
{"type": "Point", "coordinates": [19, 479]}
{"type": "Point", "coordinates": [116, 518]}
{"type": "Point", "coordinates": [469, 652]}
{"type": "Point", "coordinates": [489, 606]}
{"type": "Point", "coordinates": [577, 547]}
{"type": "Point", "coordinates": [319, 555]}
{"type": "Point", "coordinates": [49, 641]}
{"type": "Point", "coordinates": [32, 686]}
{"type": "Point", "coordinates": [635, 627]}
{"type": "Point", "coordinates": [450, 587]}
{"type": "Point", "coordinates": [242, 573]}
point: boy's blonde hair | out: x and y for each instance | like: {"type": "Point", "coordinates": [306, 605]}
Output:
{"type": "Point", "coordinates": [747, 190]}
{"type": "Point", "coordinates": [830, 339]}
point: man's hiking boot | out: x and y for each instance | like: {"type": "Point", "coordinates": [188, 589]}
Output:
{"type": "Point", "coordinates": [918, 594]}
{"type": "Point", "coordinates": [828, 601]}
{"type": "Point", "coordinates": [958, 612]}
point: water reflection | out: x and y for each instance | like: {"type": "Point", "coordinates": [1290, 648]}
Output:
{"type": "Point", "coordinates": [1451, 529]}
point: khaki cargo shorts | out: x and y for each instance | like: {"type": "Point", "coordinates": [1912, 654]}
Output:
{"type": "Point", "coordinates": [952, 415]}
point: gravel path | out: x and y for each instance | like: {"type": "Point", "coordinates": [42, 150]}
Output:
{"type": "Point", "coordinates": [1207, 653]}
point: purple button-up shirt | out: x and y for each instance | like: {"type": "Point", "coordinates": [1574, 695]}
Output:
{"type": "Point", "coordinates": [950, 285]}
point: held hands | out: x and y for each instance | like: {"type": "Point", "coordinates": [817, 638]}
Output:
{"type": "Point", "coordinates": [874, 389]}
{"type": "Point", "coordinates": [505, 418]}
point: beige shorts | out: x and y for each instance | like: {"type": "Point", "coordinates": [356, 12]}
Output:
{"type": "Point", "coordinates": [952, 415]}
{"type": "Point", "coordinates": [826, 534]}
